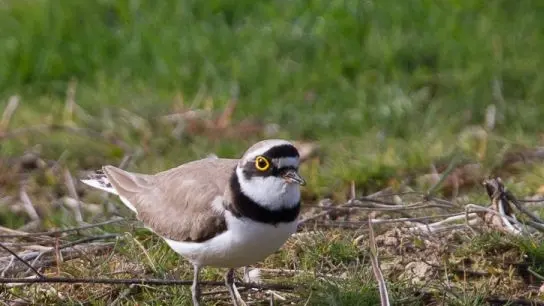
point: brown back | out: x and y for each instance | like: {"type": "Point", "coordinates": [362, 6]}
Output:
{"type": "Point", "coordinates": [178, 203]}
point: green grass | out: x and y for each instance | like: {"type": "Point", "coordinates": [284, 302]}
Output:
{"type": "Point", "coordinates": [386, 88]}
{"type": "Point", "coordinates": [351, 65]}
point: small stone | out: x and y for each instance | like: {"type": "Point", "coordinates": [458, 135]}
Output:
{"type": "Point", "coordinates": [390, 241]}
{"type": "Point", "coordinates": [416, 272]}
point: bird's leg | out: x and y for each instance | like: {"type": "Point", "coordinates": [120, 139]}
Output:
{"type": "Point", "coordinates": [195, 288]}
{"type": "Point", "coordinates": [234, 295]}
{"type": "Point", "coordinates": [229, 282]}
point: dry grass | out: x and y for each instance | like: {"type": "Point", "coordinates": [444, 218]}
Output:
{"type": "Point", "coordinates": [328, 262]}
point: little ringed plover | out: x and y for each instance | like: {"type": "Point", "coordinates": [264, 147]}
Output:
{"type": "Point", "coordinates": [226, 213]}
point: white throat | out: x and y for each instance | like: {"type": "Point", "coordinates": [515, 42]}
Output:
{"type": "Point", "coordinates": [270, 192]}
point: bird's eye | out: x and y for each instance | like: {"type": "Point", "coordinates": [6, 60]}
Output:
{"type": "Point", "coordinates": [262, 163]}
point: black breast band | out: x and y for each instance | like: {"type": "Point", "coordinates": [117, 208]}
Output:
{"type": "Point", "coordinates": [243, 206]}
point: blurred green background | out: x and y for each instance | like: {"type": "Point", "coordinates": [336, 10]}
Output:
{"type": "Point", "coordinates": [384, 86]}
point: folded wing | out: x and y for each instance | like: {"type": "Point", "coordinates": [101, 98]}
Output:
{"type": "Point", "coordinates": [181, 204]}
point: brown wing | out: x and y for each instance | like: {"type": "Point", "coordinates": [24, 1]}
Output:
{"type": "Point", "coordinates": [178, 203]}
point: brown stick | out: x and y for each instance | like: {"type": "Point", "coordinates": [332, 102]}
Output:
{"type": "Point", "coordinates": [69, 180]}
{"type": "Point", "coordinates": [12, 105]}
{"type": "Point", "coordinates": [54, 233]}
{"type": "Point", "coordinates": [23, 261]}
{"type": "Point", "coordinates": [136, 281]}
{"type": "Point", "coordinates": [382, 285]}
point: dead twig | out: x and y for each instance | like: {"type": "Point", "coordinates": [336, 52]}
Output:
{"type": "Point", "coordinates": [534, 273]}
{"type": "Point", "coordinates": [418, 226]}
{"type": "Point", "coordinates": [87, 239]}
{"type": "Point", "coordinates": [377, 207]}
{"type": "Point", "coordinates": [382, 285]}
{"type": "Point", "coordinates": [27, 205]}
{"type": "Point", "coordinates": [70, 103]}
{"type": "Point", "coordinates": [330, 210]}
{"type": "Point", "coordinates": [13, 103]}
{"type": "Point", "coordinates": [371, 203]}
{"type": "Point", "coordinates": [57, 232]}
{"type": "Point", "coordinates": [445, 174]}
{"type": "Point", "coordinates": [22, 261]}
{"type": "Point", "coordinates": [496, 301]}
{"type": "Point", "coordinates": [64, 253]}
{"type": "Point", "coordinates": [292, 272]}
{"type": "Point", "coordinates": [136, 281]}
{"type": "Point", "coordinates": [440, 225]}
{"type": "Point", "coordinates": [502, 201]}
{"type": "Point", "coordinates": [323, 213]}
{"type": "Point", "coordinates": [415, 219]}
{"type": "Point", "coordinates": [69, 180]}
{"type": "Point", "coordinates": [508, 196]}
{"type": "Point", "coordinates": [489, 211]}
{"type": "Point", "coordinates": [11, 231]}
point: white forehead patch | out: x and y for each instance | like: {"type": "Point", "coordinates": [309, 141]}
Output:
{"type": "Point", "coordinates": [286, 162]}
{"type": "Point", "coordinates": [266, 145]}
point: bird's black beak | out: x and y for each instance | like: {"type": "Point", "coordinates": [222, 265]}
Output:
{"type": "Point", "coordinates": [292, 176]}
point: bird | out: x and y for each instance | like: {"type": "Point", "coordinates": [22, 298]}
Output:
{"type": "Point", "coordinates": [218, 212]}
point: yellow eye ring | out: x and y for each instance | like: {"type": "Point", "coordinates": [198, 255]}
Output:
{"type": "Point", "coordinates": [261, 163]}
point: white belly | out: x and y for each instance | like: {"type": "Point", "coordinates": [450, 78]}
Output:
{"type": "Point", "coordinates": [244, 243]}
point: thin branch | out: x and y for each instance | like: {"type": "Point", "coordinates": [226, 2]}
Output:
{"type": "Point", "coordinates": [445, 175]}
{"type": "Point", "coordinates": [439, 226]}
{"type": "Point", "coordinates": [502, 198]}
{"type": "Point", "coordinates": [57, 232]}
{"type": "Point", "coordinates": [22, 260]}
{"type": "Point", "coordinates": [69, 180]}
{"type": "Point", "coordinates": [342, 206]}
{"type": "Point", "coordinates": [380, 205]}
{"type": "Point", "coordinates": [322, 214]}
{"type": "Point", "coordinates": [438, 200]}
{"type": "Point", "coordinates": [497, 191]}
{"type": "Point", "coordinates": [422, 224]}
{"type": "Point", "coordinates": [374, 200]}
{"type": "Point", "coordinates": [67, 253]}
{"type": "Point", "coordinates": [12, 105]}
{"type": "Point", "coordinates": [141, 281]}
{"type": "Point", "coordinates": [478, 208]}
{"type": "Point", "coordinates": [6, 268]}
{"type": "Point", "coordinates": [12, 231]}
{"type": "Point", "coordinates": [531, 201]}
{"type": "Point", "coordinates": [70, 102]}
{"type": "Point", "coordinates": [504, 210]}
{"type": "Point", "coordinates": [291, 272]}
{"type": "Point", "coordinates": [382, 285]}
{"type": "Point", "coordinates": [511, 301]}
{"type": "Point", "coordinates": [27, 204]}
{"type": "Point", "coordinates": [353, 225]}
{"type": "Point", "coordinates": [86, 240]}
{"type": "Point", "coordinates": [415, 219]}
{"type": "Point", "coordinates": [387, 204]}
{"type": "Point", "coordinates": [537, 275]}
{"type": "Point", "coordinates": [508, 196]}
{"type": "Point", "coordinates": [125, 162]}
{"type": "Point", "coordinates": [397, 207]}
